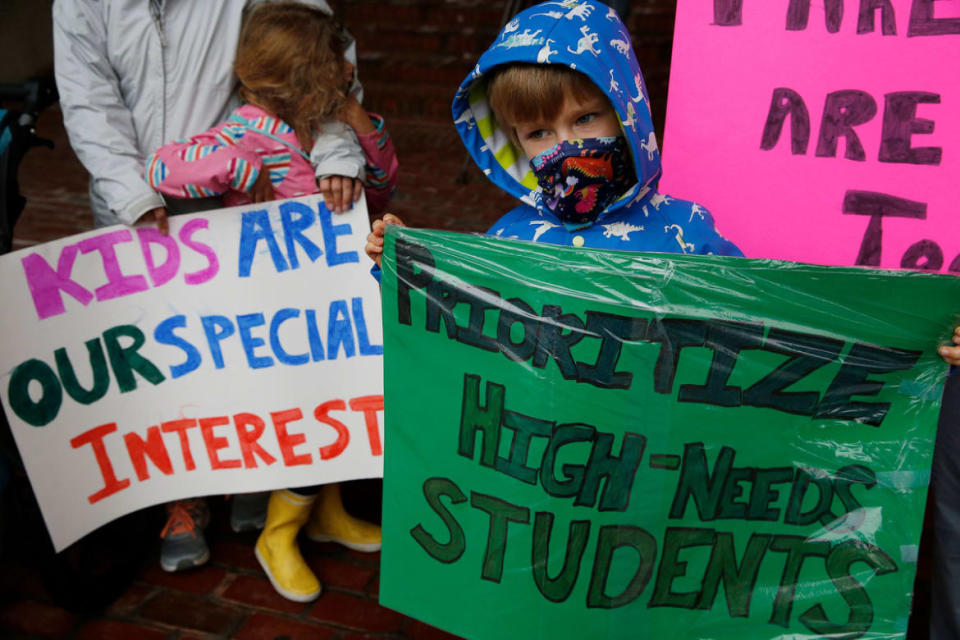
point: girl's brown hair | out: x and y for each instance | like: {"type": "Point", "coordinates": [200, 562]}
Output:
{"type": "Point", "coordinates": [523, 92]}
{"type": "Point", "coordinates": [290, 62]}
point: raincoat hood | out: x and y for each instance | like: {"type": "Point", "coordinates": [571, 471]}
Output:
{"type": "Point", "coordinates": [586, 36]}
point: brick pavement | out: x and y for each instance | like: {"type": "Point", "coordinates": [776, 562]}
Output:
{"type": "Point", "coordinates": [230, 597]}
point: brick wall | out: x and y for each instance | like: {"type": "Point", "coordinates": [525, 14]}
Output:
{"type": "Point", "coordinates": [414, 53]}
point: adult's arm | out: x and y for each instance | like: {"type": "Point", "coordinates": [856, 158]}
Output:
{"type": "Point", "coordinates": [98, 122]}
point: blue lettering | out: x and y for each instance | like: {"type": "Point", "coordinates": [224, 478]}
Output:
{"type": "Point", "coordinates": [293, 231]}
{"type": "Point", "coordinates": [250, 343]}
{"type": "Point", "coordinates": [366, 349]}
{"type": "Point", "coordinates": [330, 233]}
{"type": "Point", "coordinates": [313, 333]}
{"type": "Point", "coordinates": [211, 324]}
{"type": "Point", "coordinates": [255, 226]}
{"type": "Point", "coordinates": [279, 318]}
{"type": "Point", "coordinates": [164, 335]}
{"type": "Point", "coordinates": [339, 330]}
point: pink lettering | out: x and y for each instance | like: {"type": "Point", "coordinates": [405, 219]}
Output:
{"type": "Point", "coordinates": [118, 285]}
{"type": "Point", "coordinates": [46, 284]}
{"type": "Point", "coordinates": [164, 273]}
{"type": "Point", "coordinates": [186, 237]}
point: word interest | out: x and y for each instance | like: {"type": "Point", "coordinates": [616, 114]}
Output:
{"type": "Point", "coordinates": [242, 431]}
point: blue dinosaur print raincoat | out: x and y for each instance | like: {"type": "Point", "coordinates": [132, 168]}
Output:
{"type": "Point", "coordinates": [589, 37]}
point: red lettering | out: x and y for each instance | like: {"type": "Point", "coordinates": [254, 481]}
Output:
{"type": "Point", "coordinates": [214, 443]}
{"type": "Point", "coordinates": [289, 441]}
{"type": "Point", "coordinates": [180, 427]}
{"type": "Point", "coordinates": [370, 405]}
{"type": "Point", "coordinates": [94, 437]}
{"type": "Point", "coordinates": [153, 447]}
{"type": "Point", "coordinates": [321, 413]}
{"type": "Point", "coordinates": [249, 429]}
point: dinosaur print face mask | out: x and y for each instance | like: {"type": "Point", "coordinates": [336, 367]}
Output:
{"type": "Point", "coordinates": [580, 178]}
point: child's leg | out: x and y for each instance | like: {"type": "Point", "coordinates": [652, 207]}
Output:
{"type": "Point", "coordinates": [183, 545]}
{"type": "Point", "coordinates": [332, 523]}
{"type": "Point", "coordinates": [945, 484]}
{"type": "Point", "coordinates": [248, 511]}
{"type": "Point", "coordinates": [277, 548]}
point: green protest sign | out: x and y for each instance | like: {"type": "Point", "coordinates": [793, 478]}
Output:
{"type": "Point", "coordinates": [586, 444]}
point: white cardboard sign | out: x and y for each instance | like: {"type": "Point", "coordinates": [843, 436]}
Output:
{"type": "Point", "coordinates": [242, 352]}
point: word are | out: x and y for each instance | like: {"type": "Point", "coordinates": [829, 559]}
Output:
{"type": "Point", "coordinates": [120, 346]}
{"type": "Point", "coordinates": [510, 525]}
{"type": "Point", "coordinates": [522, 334]}
{"type": "Point", "coordinates": [923, 21]}
{"type": "Point", "coordinates": [849, 108]}
{"type": "Point", "coordinates": [295, 219]}
{"type": "Point", "coordinates": [47, 284]}
{"type": "Point", "coordinates": [240, 433]}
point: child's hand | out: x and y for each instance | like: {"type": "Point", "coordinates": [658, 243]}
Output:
{"type": "Point", "coordinates": [374, 246]}
{"type": "Point", "coordinates": [950, 354]}
{"type": "Point", "coordinates": [340, 192]}
{"type": "Point", "coordinates": [158, 215]}
{"type": "Point", "coordinates": [262, 189]}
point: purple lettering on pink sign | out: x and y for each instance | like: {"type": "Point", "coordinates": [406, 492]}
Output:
{"type": "Point", "coordinates": [46, 284]}
{"type": "Point", "coordinates": [186, 237]}
{"type": "Point", "coordinates": [118, 284]}
{"type": "Point", "coordinates": [165, 272]}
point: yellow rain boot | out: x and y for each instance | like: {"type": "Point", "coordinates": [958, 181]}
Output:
{"type": "Point", "coordinates": [278, 551]}
{"type": "Point", "coordinates": [331, 523]}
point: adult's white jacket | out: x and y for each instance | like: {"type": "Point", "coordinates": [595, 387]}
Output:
{"type": "Point", "coordinates": [136, 74]}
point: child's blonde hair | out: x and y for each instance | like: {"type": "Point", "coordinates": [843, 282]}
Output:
{"type": "Point", "coordinates": [290, 61]}
{"type": "Point", "coordinates": [523, 92]}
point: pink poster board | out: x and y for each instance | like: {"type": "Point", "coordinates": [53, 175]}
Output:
{"type": "Point", "coordinates": [825, 131]}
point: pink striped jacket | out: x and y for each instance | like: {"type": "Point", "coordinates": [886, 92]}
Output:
{"type": "Point", "coordinates": [227, 159]}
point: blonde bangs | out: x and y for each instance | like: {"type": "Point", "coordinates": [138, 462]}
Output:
{"type": "Point", "coordinates": [526, 92]}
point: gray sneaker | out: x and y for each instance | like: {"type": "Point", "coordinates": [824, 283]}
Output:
{"type": "Point", "coordinates": [184, 546]}
{"type": "Point", "coordinates": [248, 511]}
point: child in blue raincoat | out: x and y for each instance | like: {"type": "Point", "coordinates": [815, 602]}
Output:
{"type": "Point", "coordinates": [556, 113]}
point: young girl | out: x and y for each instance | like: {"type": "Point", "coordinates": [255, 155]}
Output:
{"type": "Point", "coordinates": [291, 70]}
